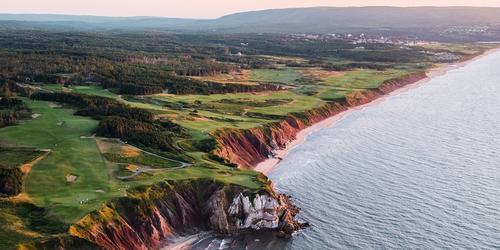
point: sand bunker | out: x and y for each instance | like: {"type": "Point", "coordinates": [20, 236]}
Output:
{"type": "Point", "coordinates": [132, 168]}
{"type": "Point", "coordinates": [71, 178]}
{"type": "Point", "coordinates": [127, 151]}
{"type": "Point", "coordinates": [320, 74]}
{"type": "Point", "coordinates": [54, 105]}
{"type": "Point", "coordinates": [35, 115]}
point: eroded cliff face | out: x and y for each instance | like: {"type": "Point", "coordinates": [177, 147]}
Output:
{"type": "Point", "coordinates": [248, 147]}
{"type": "Point", "coordinates": [149, 215]}
{"type": "Point", "coordinates": [265, 212]}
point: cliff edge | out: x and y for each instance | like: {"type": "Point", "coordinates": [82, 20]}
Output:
{"type": "Point", "coordinates": [150, 215]}
{"type": "Point", "coordinates": [248, 147]}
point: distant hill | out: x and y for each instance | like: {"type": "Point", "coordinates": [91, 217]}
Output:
{"type": "Point", "coordinates": [318, 19]}
{"type": "Point", "coordinates": [82, 22]}
{"type": "Point", "coordinates": [379, 17]}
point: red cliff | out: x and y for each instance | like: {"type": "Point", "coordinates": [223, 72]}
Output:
{"type": "Point", "coordinates": [150, 215]}
{"type": "Point", "coordinates": [248, 147]}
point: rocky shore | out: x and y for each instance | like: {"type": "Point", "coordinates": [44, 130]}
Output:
{"type": "Point", "coordinates": [148, 216]}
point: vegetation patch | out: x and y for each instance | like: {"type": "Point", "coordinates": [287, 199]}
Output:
{"type": "Point", "coordinates": [25, 222]}
{"type": "Point", "coordinates": [143, 159]}
{"type": "Point", "coordinates": [286, 75]}
{"type": "Point", "coordinates": [256, 103]}
{"type": "Point", "coordinates": [15, 163]}
{"type": "Point", "coordinates": [15, 157]}
{"type": "Point", "coordinates": [12, 110]}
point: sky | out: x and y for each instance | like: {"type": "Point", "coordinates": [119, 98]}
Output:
{"type": "Point", "coordinates": [200, 8]}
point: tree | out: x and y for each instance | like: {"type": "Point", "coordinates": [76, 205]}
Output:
{"type": "Point", "coordinates": [6, 92]}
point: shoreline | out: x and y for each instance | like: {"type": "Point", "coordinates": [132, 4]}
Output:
{"type": "Point", "coordinates": [267, 165]}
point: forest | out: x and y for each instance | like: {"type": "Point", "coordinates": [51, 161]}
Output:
{"type": "Point", "coordinates": [11, 110]}
{"type": "Point", "coordinates": [145, 63]}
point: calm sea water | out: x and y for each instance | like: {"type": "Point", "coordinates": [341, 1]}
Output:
{"type": "Point", "coordinates": [418, 170]}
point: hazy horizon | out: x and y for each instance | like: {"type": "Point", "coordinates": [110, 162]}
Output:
{"type": "Point", "coordinates": [201, 9]}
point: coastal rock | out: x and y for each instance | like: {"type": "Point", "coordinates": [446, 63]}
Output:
{"type": "Point", "coordinates": [265, 212]}
{"type": "Point", "coordinates": [261, 213]}
{"type": "Point", "coordinates": [149, 216]}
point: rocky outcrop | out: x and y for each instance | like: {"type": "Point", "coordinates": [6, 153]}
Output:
{"type": "Point", "coordinates": [248, 147]}
{"type": "Point", "coordinates": [265, 212]}
{"type": "Point", "coordinates": [150, 215]}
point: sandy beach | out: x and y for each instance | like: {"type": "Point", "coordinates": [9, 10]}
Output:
{"type": "Point", "coordinates": [269, 164]}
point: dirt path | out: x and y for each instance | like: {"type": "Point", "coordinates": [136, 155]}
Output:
{"type": "Point", "coordinates": [183, 164]}
{"type": "Point", "coordinates": [26, 168]}
{"type": "Point", "coordinates": [146, 169]}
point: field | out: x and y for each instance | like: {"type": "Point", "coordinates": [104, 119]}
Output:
{"type": "Point", "coordinates": [285, 75]}
{"type": "Point", "coordinates": [75, 178]}
{"type": "Point", "coordinates": [336, 87]}
{"type": "Point", "coordinates": [89, 90]}
{"type": "Point", "coordinates": [70, 155]}
{"type": "Point", "coordinates": [204, 113]}
{"type": "Point", "coordinates": [201, 114]}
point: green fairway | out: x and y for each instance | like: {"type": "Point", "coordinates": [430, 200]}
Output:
{"type": "Point", "coordinates": [241, 110]}
{"type": "Point", "coordinates": [336, 87]}
{"type": "Point", "coordinates": [285, 75]}
{"type": "Point", "coordinates": [245, 110]}
{"type": "Point", "coordinates": [89, 90]}
{"type": "Point", "coordinates": [362, 79]}
{"type": "Point", "coordinates": [74, 178]}
{"type": "Point", "coordinates": [46, 184]}
{"type": "Point", "coordinates": [204, 113]}
{"type": "Point", "coordinates": [94, 90]}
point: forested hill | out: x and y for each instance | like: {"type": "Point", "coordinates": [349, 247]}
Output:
{"type": "Point", "coordinates": [329, 17]}
{"type": "Point", "coordinates": [318, 19]}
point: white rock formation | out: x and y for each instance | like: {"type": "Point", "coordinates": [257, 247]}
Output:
{"type": "Point", "coordinates": [261, 213]}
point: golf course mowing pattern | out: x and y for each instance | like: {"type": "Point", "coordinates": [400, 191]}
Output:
{"type": "Point", "coordinates": [47, 184]}
{"type": "Point", "coordinates": [229, 110]}
{"type": "Point", "coordinates": [245, 110]}
{"type": "Point", "coordinates": [336, 87]}
{"type": "Point", "coordinates": [117, 151]}
{"type": "Point", "coordinates": [88, 89]}
{"type": "Point", "coordinates": [205, 113]}
{"type": "Point", "coordinates": [75, 178]}
{"type": "Point", "coordinates": [282, 75]}
{"type": "Point", "coordinates": [285, 75]}
{"type": "Point", "coordinates": [80, 178]}
{"type": "Point", "coordinates": [362, 79]}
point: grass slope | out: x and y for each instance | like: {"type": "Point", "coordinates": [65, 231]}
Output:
{"type": "Point", "coordinates": [61, 131]}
